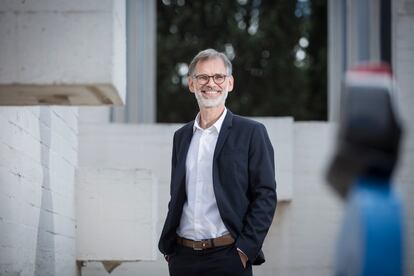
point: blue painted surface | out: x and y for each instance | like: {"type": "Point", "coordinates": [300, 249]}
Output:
{"type": "Point", "coordinates": [371, 238]}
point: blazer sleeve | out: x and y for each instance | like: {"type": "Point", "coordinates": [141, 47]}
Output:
{"type": "Point", "coordinates": [164, 244]}
{"type": "Point", "coordinates": [262, 186]}
{"type": "Point", "coordinates": [173, 157]}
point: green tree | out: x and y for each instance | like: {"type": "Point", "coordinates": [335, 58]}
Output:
{"type": "Point", "coordinates": [274, 74]}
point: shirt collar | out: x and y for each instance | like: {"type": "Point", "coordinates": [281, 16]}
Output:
{"type": "Point", "coordinates": [217, 125]}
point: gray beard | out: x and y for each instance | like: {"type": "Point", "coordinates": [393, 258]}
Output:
{"type": "Point", "coordinates": [209, 103]}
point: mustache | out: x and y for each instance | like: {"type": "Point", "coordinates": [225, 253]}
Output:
{"type": "Point", "coordinates": [210, 89]}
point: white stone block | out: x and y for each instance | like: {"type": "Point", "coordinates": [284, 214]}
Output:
{"type": "Point", "coordinates": [33, 202]}
{"type": "Point", "coordinates": [128, 146]}
{"type": "Point", "coordinates": [116, 214]}
{"type": "Point", "coordinates": [63, 52]}
{"type": "Point", "coordinates": [57, 5]}
{"type": "Point", "coordinates": [281, 132]}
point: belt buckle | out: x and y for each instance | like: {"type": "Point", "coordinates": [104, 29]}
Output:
{"type": "Point", "coordinates": [199, 245]}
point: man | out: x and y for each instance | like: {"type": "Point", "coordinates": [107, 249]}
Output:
{"type": "Point", "coordinates": [223, 190]}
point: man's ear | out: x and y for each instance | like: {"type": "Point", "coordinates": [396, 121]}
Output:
{"type": "Point", "coordinates": [191, 84]}
{"type": "Point", "coordinates": [231, 83]}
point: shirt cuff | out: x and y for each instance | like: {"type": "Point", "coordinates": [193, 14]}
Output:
{"type": "Point", "coordinates": [241, 251]}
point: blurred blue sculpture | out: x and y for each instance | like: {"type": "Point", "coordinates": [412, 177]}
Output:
{"type": "Point", "coordinates": [371, 238]}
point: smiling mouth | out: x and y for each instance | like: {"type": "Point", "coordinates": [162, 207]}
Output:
{"type": "Point", "coordinates": [211, 91]}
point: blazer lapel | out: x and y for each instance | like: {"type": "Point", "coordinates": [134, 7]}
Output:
{"type": "Point", "coordinates": [183, 150]}
{"type": "Point", "coordinates": [187, 135]}
{"type": "Point", "coordinates": [224, 131]}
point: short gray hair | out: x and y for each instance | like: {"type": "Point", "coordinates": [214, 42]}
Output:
{"type": "Point", "coordinates": [209, 54]}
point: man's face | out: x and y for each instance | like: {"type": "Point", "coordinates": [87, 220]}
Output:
{"type": "Point", "coordinates": [212, 93]}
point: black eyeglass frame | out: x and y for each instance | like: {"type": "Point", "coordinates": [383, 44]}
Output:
{"type": "Point", "coordinates": [213, 76]}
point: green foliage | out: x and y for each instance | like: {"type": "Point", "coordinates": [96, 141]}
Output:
{"type": "Point", "coordinates": [263, 37]}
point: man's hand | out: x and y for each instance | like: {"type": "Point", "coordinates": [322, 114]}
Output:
{"type": "Point", "coordinates": [243, 258]}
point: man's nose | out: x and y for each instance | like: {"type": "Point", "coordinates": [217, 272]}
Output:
{"type": "Point", "coordinates": [210, 79]}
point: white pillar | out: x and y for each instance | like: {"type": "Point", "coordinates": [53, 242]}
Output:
{"type": "Point", "coordinates": [141, 72]}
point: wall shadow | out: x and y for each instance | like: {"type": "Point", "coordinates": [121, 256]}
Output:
{"type": "Point", "coordinates": [45, 247]}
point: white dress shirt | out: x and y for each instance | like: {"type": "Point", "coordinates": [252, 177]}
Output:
{"type": "Point", "coordinates": [201, 218]}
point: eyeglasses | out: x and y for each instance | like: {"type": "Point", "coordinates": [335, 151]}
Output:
{"type": "Point", "coordinates": [203, 78]}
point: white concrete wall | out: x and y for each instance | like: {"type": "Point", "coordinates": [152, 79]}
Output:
{"type": "Point", "coordinates": [281, 134]}
{"type": "Point", "coordinates": [125, 146]}
{"type": "Point", "coordinates": [38, 156]}
{"type": "Point", "coordinates": [94, 114]}
{"type": "Point", "coordinates": [403, 63]}
{"type": "Point", "coordinates": [301, 239]}
{"type": "Point", "coordinates": [149, 146]}
{"type": "Point", "coordinates": [116, 213]}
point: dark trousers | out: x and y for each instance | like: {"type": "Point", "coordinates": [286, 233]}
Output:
{"type": "Point", "coordinates": [219, 261]}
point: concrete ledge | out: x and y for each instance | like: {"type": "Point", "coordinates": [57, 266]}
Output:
{"type": "Point", "coordinates": [55, 94]}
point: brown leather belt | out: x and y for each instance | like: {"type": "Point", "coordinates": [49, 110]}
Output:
{"type": "Point", "coordinates": [207, 243]}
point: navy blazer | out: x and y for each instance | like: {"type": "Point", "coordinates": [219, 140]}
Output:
{"type": "Point", "coordinates": [243, 180]}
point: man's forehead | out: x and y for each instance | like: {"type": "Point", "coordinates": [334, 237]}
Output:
{"type": "Point", "coordinates": [215, 62]}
